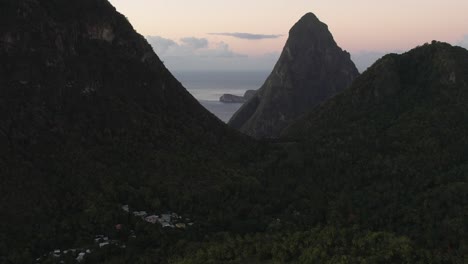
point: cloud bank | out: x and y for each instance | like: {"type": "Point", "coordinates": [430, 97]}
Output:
{"type": "Point", "coordinates": [198, 54]}
{"type": "Point", "coordinates": [195, 43]}
{"type": "Point", "coordinates": [247, 36]}
{"type": "Point", "coordinates": [190, 47]}
{"type": "Point", "coordinates": [160, 45]}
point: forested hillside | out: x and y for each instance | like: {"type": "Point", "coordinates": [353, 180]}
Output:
{"type": "Point", "coordinates": [378, 174]}
{"type": "Point", "coordinates": [91, 119]}
{"type": "Point", "coordinates": [105, 158]}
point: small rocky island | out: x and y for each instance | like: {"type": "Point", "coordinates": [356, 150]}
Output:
{"type": "Point", "coordinates": [230, 98]}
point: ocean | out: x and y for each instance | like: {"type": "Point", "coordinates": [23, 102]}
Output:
{"type": "Point", "coordinates": [207, 87]}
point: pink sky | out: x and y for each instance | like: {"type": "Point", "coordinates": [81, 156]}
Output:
{"type": "Point", "coordinates": [357, 25]}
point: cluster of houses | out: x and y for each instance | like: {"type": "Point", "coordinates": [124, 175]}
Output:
{"type": "Point", "coordinates": [103, 241]}
{"type": "Point", "coordinates": [99, 241]}
{"type": "Point", "coordinates": [169, 220]}
{"type": "Point", "coordinates": [58, 254]}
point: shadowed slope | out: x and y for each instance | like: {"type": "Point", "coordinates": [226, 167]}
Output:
{"type": "Point", "coordinates": [90, 118]}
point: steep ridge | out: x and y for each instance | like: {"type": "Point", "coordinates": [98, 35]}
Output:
{"type": "Point", "coordinates": [311, 69]}
{"type": "Point", "coordinates": [90, 118]}
{"type": "Point", "coordinates": [426, 77]}
{"type": "Point", "coordinates": [377, 174]}
{"type": "Point", "coordinates": [395, 146]}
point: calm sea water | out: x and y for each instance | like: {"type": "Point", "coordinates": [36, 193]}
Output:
{"type": "Point", "coordinates": [207, 87]}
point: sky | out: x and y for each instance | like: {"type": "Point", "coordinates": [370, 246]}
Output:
{"type": "Point", "coordinates": [217, 35]}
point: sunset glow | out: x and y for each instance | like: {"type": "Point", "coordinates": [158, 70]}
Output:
{"type": "Point", "coordinates": [358, 26]}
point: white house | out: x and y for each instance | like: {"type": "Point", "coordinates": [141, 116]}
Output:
{"type": "Point", "coordinates": [153, 219]}
{"type": "Point", "coordinates": [80, 257]}
{"type": "Point", "coordinates": [103, 244]}
{"type": "Point", "coordinates": [140, 214]}
{"type": "Point", "coordinates": [166, 218]}
{"type": "Point", "coordinates": [166, 224]}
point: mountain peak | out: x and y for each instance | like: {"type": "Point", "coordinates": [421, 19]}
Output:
{"type": "Point", "coordinates": [310, 69]}
{"type": "Point", "coordinates": [310, 29]}
{"type": "Point", "coordinates": [309, 18]}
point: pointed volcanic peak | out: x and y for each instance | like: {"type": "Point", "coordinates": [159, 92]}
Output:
{"type": "Point", "coordinates": [426, 87]}
{"type": "Point", "coordinates": [311, 69]}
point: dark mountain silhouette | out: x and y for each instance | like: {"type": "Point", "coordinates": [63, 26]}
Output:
{"type": "Point", "coordinates": [432, 76]}
{"type": "Point", "coordinates": [376, 174]}
{"type": "Point", "coordinates": [90, 120]}
{"type": "Point", "coordinates": [90, 117]}
{"type": "Point", "coordinates": [311, 69]}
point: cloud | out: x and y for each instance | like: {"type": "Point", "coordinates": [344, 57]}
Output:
{"type": "Point", "coordinates": [161, 45]}
{"type": "Point", "coordinates": [191, 47]}
{"type": "Point", "coordinates": [463, 42]}
{"type": "Point", "coordinates": [247, 36]}
{"type": "Point", "coordinates": [196, 43]}
{"type": "Point", "coordinates": [195, 54]}
{"type": "Point", "coordinates": [221, 50]}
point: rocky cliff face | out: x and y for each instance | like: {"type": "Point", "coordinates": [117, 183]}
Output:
{"type": "Point", "coordinates": [311, 69]}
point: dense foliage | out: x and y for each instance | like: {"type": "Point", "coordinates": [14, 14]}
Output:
{"type": "Point", "coordinates": [320, 245]}
{"type": "Point", "coordinates": [90, 120]}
